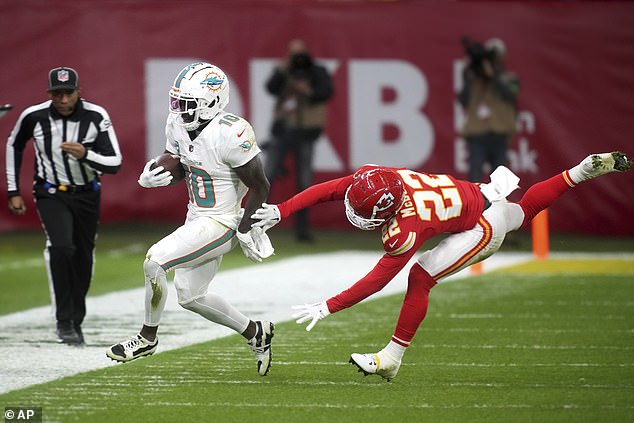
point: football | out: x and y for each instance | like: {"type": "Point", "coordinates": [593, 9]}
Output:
{"type": "Point", "coordinates": [171, 163]}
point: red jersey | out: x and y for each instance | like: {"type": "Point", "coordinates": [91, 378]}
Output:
{"type": "Point", "coordinates": [434, 204]}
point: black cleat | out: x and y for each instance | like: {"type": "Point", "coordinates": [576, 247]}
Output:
{"type": "Point", "coordinates": [132, 348]}
{"type": "Point", "coordinates": [261, 345]}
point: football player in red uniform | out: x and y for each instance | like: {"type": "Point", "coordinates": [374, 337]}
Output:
{"type": "Point", "coordinates": [409, 208]}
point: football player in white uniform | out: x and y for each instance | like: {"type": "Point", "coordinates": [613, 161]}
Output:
{"type": "Point", "coordinates": [222, 162]}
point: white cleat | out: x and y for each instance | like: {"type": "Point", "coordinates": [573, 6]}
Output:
{"type": "Point", "coordinates": [599, 164]}
{"type": "Point", "coordinates": [376, 364]}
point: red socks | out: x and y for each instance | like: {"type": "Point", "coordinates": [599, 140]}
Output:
{"type": "Point", "coordinates": [414, 308]}
{"type": "Point", "coordinates": [541, 195]}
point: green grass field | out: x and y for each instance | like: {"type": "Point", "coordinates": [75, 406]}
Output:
{"type": "Point", "coordinates": [546, 341]}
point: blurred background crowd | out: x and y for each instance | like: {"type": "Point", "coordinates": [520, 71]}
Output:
{"type": "Point", "coordinates": [397, 70]}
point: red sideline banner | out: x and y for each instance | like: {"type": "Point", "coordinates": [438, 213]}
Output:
{"type": "Point", "coordinates": [396, 69]}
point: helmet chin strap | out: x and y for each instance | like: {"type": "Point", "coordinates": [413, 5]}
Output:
{"type": "Point", "coordinates": [192, 126]}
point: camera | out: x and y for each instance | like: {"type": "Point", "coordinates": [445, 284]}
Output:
{"type": "Point", "coordinates": [477, 53]}
{"type": "Point", "coordinates": [300, 65]}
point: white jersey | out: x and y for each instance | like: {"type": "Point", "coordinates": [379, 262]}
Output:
{"type": "Point", "coordinates": [215, 190]}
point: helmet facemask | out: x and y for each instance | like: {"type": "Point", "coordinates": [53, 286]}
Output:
{"type": "Point", "coordinates": [358, 221]}
{"type": "Point", "coordinates": [193, 111]}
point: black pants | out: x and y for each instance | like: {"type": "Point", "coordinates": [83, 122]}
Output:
{"type": "Point", "coordinates": [486, 148]}
{"type": "Point", "coordinates": [299, 143]}
{"type": "Point", "coordinates": [70, 222]}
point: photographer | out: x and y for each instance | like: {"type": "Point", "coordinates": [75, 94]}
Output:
{"type": "Point", "coordinates": [489, 97]}
{"type": "Point", "coordinates": [301, 88]}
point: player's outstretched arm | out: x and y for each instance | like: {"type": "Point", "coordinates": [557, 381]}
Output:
{"type": "Point", "coordinates": [313, 312]}
{"type": "Point", "coordinates": [267, 216]}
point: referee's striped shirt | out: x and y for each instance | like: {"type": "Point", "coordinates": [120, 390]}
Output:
{"type": "Point", "coordinates": [89, 124]}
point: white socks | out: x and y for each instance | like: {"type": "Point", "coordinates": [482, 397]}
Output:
{"type": "Point", "coordinates": [578, 174]}
{"type": "Point", "coordinates": [394, 350]}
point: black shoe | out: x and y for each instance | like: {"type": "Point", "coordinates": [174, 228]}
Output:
{"type": "Point", "coordinates": [66, 333]}
{"type": "Point", "coordinates": [80, 333]}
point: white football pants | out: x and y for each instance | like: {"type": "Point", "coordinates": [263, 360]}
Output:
{"type": "Point", "coordinates": [462, 249]}
{"type": "Point", "coordinates": [194, 251]}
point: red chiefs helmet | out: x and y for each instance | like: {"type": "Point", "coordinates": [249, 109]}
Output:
{"type": "Point", "coordinates": [374, 196]}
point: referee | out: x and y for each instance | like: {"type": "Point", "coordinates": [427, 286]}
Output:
{"type": "Point", "coordinates": [75, 144]}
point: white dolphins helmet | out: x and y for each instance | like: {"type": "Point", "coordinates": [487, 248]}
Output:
{"type": "Point", "coordinates": [200, 92]}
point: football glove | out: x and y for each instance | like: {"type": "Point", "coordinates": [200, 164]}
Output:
{"type": "Point", "coordinates": [262, 242]}
{"type": "Point", "coordinates": [267, 216]}
{"type": "Point", "coordinates": [255, 244]}
{"type": "Point", "coordinates": [313, 312]}
{"type": "Point", "coordinates": [154, 178]}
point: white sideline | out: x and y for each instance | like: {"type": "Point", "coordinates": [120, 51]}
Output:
{"type": "Point", "coordinates": [30, 354]}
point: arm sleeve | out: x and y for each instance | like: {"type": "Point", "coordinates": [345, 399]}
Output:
{"type": "Point", "coordinates": [321, 85]}
{"type": "Point", "coordinates": [239, 144]}
{"type": "Point", "coordinates": [18, 138]}
{"type": "Point", "coordinates": [385, 270]}
{"type": "Point", "coordinates": [276, 82]}
{"type": "Point", "coordinates": [106, 156]}
{"type": "Point", "coordinates": [334, 189]}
